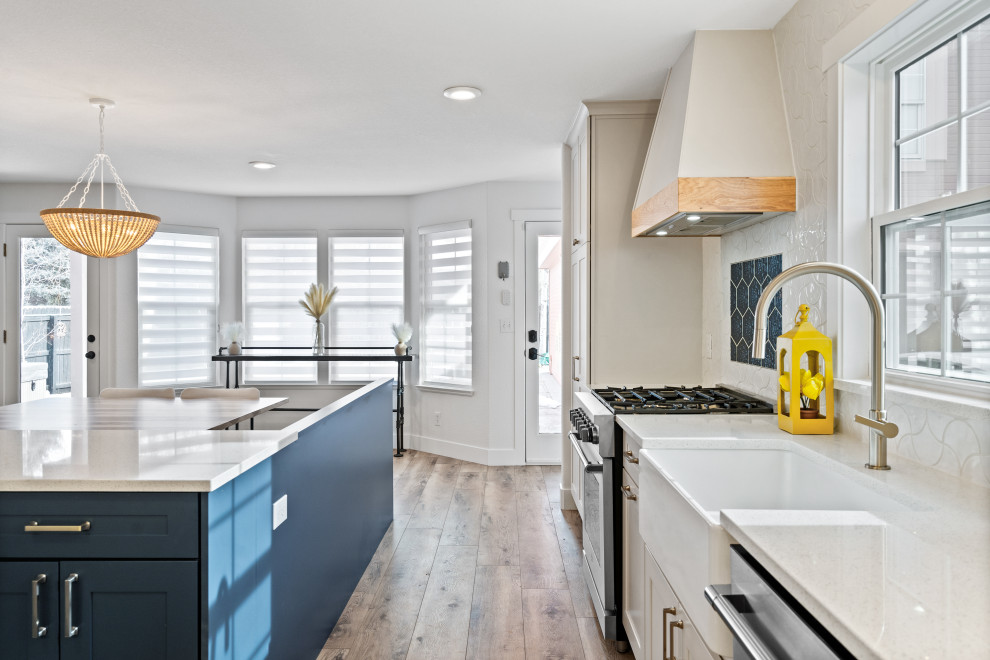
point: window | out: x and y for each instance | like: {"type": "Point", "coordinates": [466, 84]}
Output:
{"type": "Point", "coordinates": [445, 343]}
{"type": "Point", "coordinates": [942, 139]}
{"type": "Point", "coordinates": [369, 273]}
{"type": "Point", "coordinates": [177, 309]}
{"type": "Point", "coordinates": [934, 245]}
{"type": "Point", "coordinates": [278, 270]}
{"type": "Point", "coordinates": [937, 292]}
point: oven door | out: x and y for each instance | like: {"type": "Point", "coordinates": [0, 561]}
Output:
{"type": "Point", "coordinates": [594, 530]}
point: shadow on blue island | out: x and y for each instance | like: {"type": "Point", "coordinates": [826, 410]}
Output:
{"type": "Point", "coordinates": [278, 594]}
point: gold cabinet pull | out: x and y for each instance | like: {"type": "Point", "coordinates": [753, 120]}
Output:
{"type": "Point", "coordinates": [575, 241]}
{"type": "Point", "coordinates": [630, 457]}
{"type": "Point", "coordinates": [35, 526]}
{"type": "Point", "coordinates": [663, 629]}
{"type": "Point", "coordinates": [629, 494]}
{"type": "Point", "coordinates": [673, 624]}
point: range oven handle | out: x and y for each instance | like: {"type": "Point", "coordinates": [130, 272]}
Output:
{"type": "Point", "coordinates": [717, 596]}
{"type": "Point", "coordinates": [576, 443]}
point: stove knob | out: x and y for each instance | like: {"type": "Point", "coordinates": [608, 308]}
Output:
{"type": "Point", "coordinates": [594, 434]}
{"type": "Point", "coordinates": [573, 415]}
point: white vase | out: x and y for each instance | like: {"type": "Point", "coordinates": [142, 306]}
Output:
{"type": "Point", "coordinates": [400, 348]}
{"type": "Point", "coordinates": [234, 348]}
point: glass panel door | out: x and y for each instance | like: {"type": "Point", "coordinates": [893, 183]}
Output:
{"type": "Point", "coordinates": [45, 319]}
{"type": "Point", "coordinates": [45, 294]}
{"type": "Point", "coordinates": [544, 361]}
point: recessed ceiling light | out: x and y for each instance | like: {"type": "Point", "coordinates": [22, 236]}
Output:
{"type": "Point", "coordinates": [660, 232]}
{"type": "Point", "coordinates": [693, 218]}
{"type": "Point", "coordinates": [261, 165]}
{"type": "Point", "coordinates": [462, 93]}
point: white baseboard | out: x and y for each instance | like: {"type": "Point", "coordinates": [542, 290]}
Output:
{"type": "Point", "coordinates": [566, 499]}
{"type": "Point", "coordinates": [462, 452]}
{"type": "Point", "coordinates": [447, 448]}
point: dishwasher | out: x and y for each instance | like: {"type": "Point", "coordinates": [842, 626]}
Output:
{"type": "Point", "coordinates": [766, 622]}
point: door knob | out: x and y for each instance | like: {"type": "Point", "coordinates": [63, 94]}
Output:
{"type": "Point", "coordinates": [531, 354]}
{"type": "Point", "coordinates": [90, 355]}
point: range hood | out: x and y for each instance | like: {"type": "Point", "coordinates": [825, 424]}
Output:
{"type": "Point", "coordinates": [720, 155]}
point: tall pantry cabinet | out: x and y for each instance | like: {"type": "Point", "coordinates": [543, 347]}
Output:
{"type": "Point", "coordinates": [632, 305]}
{"type": "Point", "coordinates": [635, 303]}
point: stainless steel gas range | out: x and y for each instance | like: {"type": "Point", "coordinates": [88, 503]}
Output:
{"type": "Point", "coordinates": [597, 440]}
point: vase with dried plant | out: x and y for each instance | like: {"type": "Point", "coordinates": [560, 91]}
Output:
{"type": "Point", "coordinates": [403, 333]}
{"type": "Point", "coordinates": [316, 302]}
{"type": "Point", "coordinates": [232, 334]}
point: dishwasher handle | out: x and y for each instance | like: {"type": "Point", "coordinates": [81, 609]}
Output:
{"type": "Point", "coordinates": [718, 596]}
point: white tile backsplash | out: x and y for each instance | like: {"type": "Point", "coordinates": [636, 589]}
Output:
{"type": "Point", "coordinates": [950, 442]}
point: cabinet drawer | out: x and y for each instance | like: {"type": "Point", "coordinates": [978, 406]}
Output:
{"type": "Point", "coordinates": [630, 456]}
{"type": "Point", "coordinates": [120, 525]}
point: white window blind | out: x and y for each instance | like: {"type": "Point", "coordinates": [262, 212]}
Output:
{"type": "Point", "coordinates": [277, 272]}
{"type": "Point", "coordinates": [446, 326]}
{"type": "Point", "coordinates": [177, 309]}
{"type": "Point", "coordinates": [368, 270]}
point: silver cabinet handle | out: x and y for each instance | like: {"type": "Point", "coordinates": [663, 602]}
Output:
{"type": "Point", "coordinates": [574, 367]}
{"type": "Point", "coordinates": [663, 630]}
{"type": "Point", "coordinates": [630, 457]}
{"type": "Point", "coordinates": [35, 526]}
{"type": "Point", "coordinates": [37, 630]}
{"type": "Point", "coordinates": [716, 594]}
{"type": "Point", "coordinates": [70, 630]}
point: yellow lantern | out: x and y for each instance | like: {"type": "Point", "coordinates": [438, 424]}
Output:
{"type": "Point", "coordinates": [805, 398]}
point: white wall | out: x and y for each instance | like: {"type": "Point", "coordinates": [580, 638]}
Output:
{"type": "Point", "coordinates": [478, 427]}
{"type": "Point", "coordinates": [935, 431]}
{"type": "Point", "coordinates": [20, 203]}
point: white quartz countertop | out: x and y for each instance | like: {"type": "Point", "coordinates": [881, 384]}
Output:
{"type": "Point", "coordinates": [887, 584]}
{"type": "Point", "coordinates": [132, 461]}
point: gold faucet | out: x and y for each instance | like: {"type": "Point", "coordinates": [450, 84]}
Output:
{"type": "Point", "coordinates": [880, 428]}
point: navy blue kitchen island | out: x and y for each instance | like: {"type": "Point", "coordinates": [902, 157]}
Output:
{"type": "Point", "coordinates": [160, 544]}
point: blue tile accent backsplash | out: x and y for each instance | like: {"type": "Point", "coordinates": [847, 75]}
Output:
{"type": "Point", "coordinates": [747, 279]}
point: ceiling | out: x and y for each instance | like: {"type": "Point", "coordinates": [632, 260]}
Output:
{"type": "Point", "coordinates": [344, 95]}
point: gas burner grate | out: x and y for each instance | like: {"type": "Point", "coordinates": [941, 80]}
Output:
{"type": "Point", "coordinates": [680, 400]}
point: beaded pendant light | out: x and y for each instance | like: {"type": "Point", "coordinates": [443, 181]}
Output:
{"type": "Point", "coordinates": [100, 232]}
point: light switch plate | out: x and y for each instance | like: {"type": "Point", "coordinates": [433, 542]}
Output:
{"type": "Point", "coordinates": [506, 297]}
{"type": "Point", "coordinates": [280, 511]}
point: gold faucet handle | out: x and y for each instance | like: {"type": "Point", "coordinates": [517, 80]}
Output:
{"type": "Point", "coordinates": [886, 429]}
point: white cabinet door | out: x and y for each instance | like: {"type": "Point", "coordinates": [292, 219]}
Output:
{"type": "Point", "coordinates": [661, 607]}
{"type": "Point", "coordinates": [580, 192]}
{"type": "Point", "coordinates": [579, 317]}
{"type": "Point", "coordinates": [633, 569]}
{"type": "Point", "coordinates": [679, 641]}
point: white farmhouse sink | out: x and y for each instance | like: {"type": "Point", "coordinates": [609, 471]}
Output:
{"type": "Point", "coordinates": [682, 492]}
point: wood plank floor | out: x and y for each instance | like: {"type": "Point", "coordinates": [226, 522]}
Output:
{"type": "Point", "coordinates": [479, 563]}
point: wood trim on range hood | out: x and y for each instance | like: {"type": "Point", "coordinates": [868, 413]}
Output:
{"type": "Point", "coordinates": [720, 148]}
{"type": "Point", "coordinates": [714, 195]}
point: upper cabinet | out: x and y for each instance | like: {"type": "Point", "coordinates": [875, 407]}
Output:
{"type": "Point", "coordinates": [720, 156]}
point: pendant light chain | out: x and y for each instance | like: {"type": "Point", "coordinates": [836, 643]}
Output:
{"type": "Point", "coordinates": [90, 170]}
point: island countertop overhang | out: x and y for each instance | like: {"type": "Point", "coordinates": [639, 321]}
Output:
{"type": "Point", "coordinates": [145, 460]}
